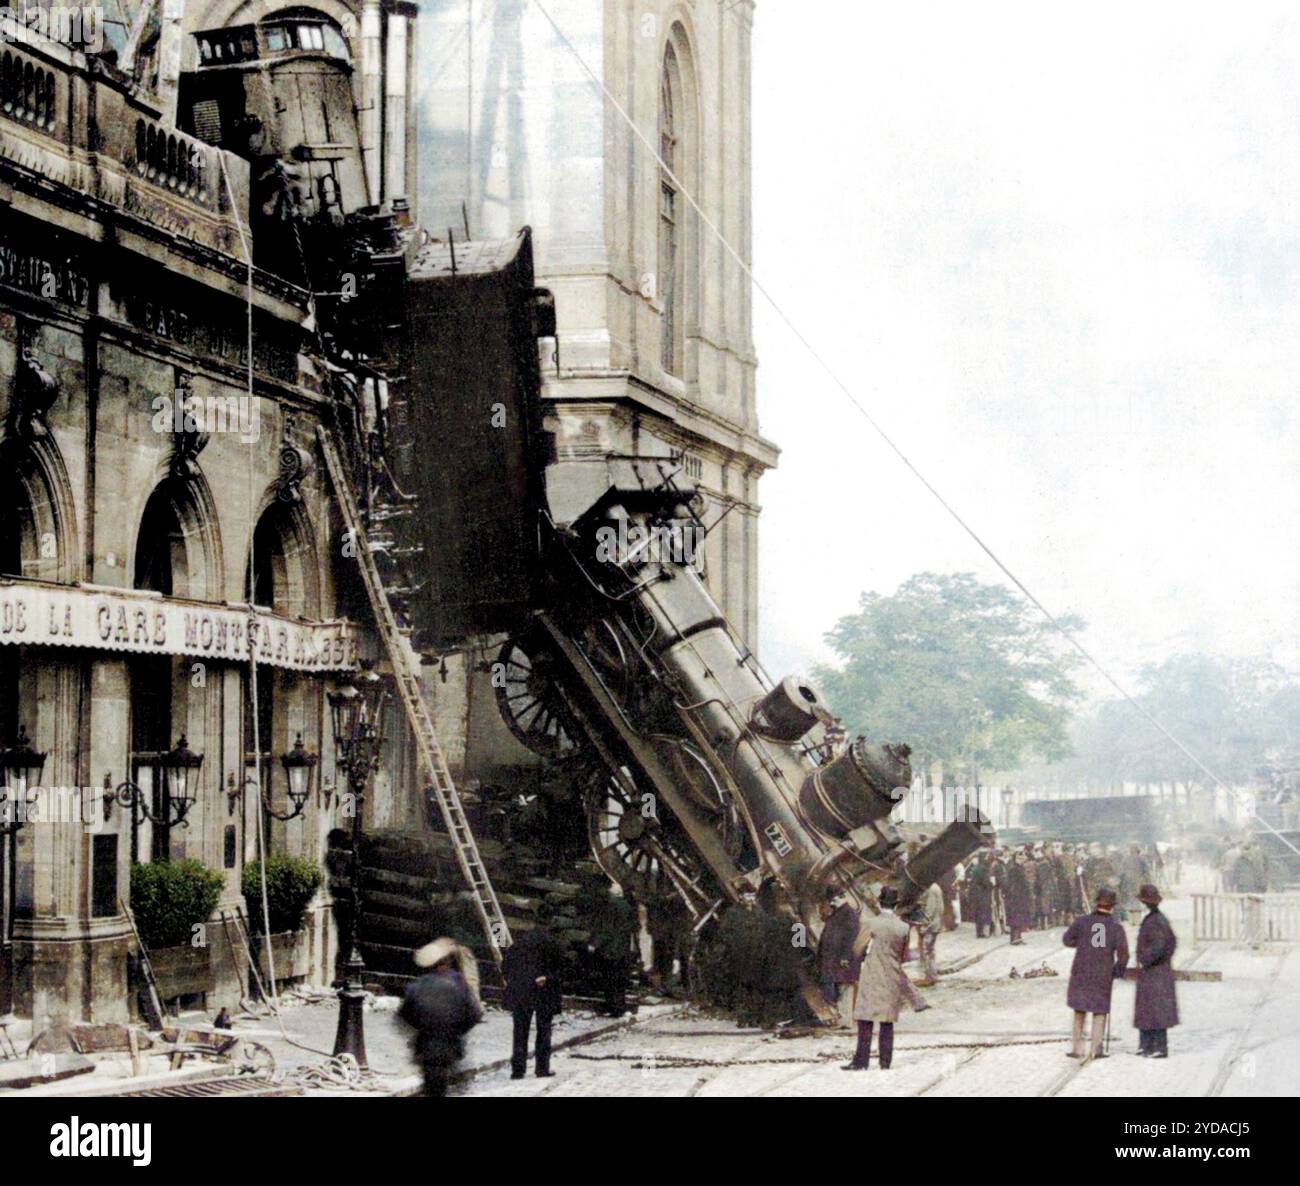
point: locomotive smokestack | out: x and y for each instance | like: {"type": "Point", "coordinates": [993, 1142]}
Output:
{"type": "Point", "coordinates": [859, 787]}
{"type": "Point", "coordinates": [790, 710]}
{"type": "Point", "coordinates": [952, 846]}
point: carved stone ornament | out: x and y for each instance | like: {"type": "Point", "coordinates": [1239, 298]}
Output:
{"type": "Point", "coordinates": [34, 392]}
{"type": "Point", "coordinates": [189, 433]}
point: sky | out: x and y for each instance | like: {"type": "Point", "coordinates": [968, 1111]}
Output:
{"type": "Point", "coordinates": [1055, 251]}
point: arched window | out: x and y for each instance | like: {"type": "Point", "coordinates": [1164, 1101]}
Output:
{"type": "Point", "coordinates": [676, 148]}
{"type": "Point", "coordinates": [17, 530]}
{"type": "Point", "coordinates": [158, 682]}
{"type": "Point", "coordinates": [281, 577]}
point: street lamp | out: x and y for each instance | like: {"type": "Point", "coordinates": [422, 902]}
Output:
{"type": "Point", "coordinates": [180, 768]}
{"type": "Point", "coordinates": [299, 769]}
{"type": "Point", "coordinates": [356, 713]}
{"type": "Point", "coordinates": [1007, 795]}
{"type": "Point", "coordinates": [177, 774]}
{"type": "Point", "coordinates": [21, 767]}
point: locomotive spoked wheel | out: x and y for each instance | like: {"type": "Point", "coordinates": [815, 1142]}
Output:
{"type": "Point", "coordinates": [604, 649]}
{"type": "Point", "coordinates": [529, 699]}
{"type": "Point", "coordinates": [630, 844]}
{"type": "Point", "coordinates": [692, 773]}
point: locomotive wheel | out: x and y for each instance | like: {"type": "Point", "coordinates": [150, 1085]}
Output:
{"type": "Point", "coordinates": [529, 699]}
{"type": "Point", "coordinates": [693, 774]}
{"type": "Point", "coordinates": [602, 646]}
{"type": "Point", "coordinates": [630, 847]}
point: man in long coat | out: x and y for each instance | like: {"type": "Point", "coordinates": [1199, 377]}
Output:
{"type": "Point", "coordinates": [948, 884]}
{"type": "Point", "coordinates": [1074, 859]}
{"type": "Point", "coordinates": [881, 946]}
{"type": "Point", "coordinates": [998, 882]}
{"type": "Point", "coordinates": [981, 897]}
{"type": "Point", "coordinates": [837, 966]}
{"type": "Point", "coordinates": [613, 924]}
{"type": "Point", "coordinates": [1156, 1007]}
{"type": "Point", "coordinates": [1100, 957]}
{"type": "Point", "coordinates": [441, 1007]}
{"type": "Point", "coordinates": [1031, 879]}
{"type": "Point", "coordinates": [532, 967]}
{"type": "Point", "coordinates": [1044, 882]}
{"type": "Point", "coordinates": [1020, 910]}
{"type": "Point", "coordinates": [1063, 871]}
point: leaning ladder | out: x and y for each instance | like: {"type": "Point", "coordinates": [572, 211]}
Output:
{"type": "Point", "coordinates": [433, 762]}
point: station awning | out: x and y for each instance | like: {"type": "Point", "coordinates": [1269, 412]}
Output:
{"type": "Point", "coordinates": [36, 613]}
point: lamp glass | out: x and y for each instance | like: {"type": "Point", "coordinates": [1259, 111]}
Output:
{"type": "Point", "coordinates": [298, 768]}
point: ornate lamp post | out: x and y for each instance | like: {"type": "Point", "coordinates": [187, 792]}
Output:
{"type": "Point", "coordinates": [356, 712]}
{"type": "Point", "coordinates": [1007, 795]}
{"type": "Point", "coordinates": [20, 767]}
{"type": "Point", "coordinates": [178, 772]}
{"type": "Point", "coordinates": [299, 771]}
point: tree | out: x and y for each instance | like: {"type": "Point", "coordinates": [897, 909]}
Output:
{"type": "Point", "coordinates": [967, 674]}
{"type": "Point", "coordinates": [1233, 714]}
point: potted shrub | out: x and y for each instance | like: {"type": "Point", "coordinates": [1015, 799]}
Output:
{"type": "Point", "coordinates": [169, 900]}
{"type": "Point", "coordinates": [290, 884]}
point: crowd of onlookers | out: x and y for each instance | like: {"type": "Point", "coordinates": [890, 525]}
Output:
{"type": "Point", "coordinates": [1049, 883]}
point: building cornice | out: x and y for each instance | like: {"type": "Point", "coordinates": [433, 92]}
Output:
{"type": "Point", "coordinates": [624, 388]}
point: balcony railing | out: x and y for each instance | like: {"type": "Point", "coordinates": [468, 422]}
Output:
{"type": "Point", "coordinates": [173, 161]}
{"type": "Point", "coordinates": [27, 91]}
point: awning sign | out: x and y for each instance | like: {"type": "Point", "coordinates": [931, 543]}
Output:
{"type": "Point", "coordinates": [36, 614]}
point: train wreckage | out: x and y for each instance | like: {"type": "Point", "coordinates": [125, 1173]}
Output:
{"type": "Point", "coordinates": [711, 781]}
{"type": "Point", "coordinates": [708, 780]}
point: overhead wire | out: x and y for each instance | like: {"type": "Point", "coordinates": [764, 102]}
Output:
{"type": "Point", "coordinates": [1052, 619]}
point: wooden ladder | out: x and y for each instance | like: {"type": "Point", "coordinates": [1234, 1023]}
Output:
{"type": "Point", "coordinates": [433, 761]}
{"type": "Point", "coordinates": [150, 1001]}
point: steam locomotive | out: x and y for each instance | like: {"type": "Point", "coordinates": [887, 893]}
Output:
{"type": "Point", "coordinates": [717, 783]}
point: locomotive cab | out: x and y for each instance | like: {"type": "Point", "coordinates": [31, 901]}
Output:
{"type": "Point", "coordinates": [281, 94]}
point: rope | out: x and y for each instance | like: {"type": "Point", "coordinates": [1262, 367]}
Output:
{"type": "Point", "coordinates": [339, 1072]}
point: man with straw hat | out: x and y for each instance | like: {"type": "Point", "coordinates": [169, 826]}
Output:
{"type": "Point", "coordinates": [1156, 1006]}
{"type": "Point", "coordinates": [442, 1006]}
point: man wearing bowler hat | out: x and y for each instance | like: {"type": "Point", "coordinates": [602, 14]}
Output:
{"type": "Point", "coordinates": [1100, 957]}
{"type": "Point", "coordinates": [1156, 1007]}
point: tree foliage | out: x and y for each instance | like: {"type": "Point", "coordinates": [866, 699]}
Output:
{"type": "Point", "coordinates": [966, 673]}
{"type": "Point", "coordinates": [1232, 714]}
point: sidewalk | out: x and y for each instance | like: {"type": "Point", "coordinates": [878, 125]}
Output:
{"type": "Point", "coordinates": [388, 1041]}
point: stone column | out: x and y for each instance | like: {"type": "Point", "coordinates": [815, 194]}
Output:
{"type": "Point", "coordinates": [372, 36]}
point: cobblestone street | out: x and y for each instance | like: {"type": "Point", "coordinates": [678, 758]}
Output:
{"type": "Point", "coordinates": [985, 1034]}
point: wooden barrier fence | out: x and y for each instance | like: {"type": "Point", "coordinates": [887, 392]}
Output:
{"type": "Point", "coordinates": [1246, 918]}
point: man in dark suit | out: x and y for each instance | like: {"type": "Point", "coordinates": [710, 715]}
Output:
{"type": "Point", "coordinates": [1156, 1006]}
{"type": "Point", "coordinates": [836, 967]}
{"type": "Point", "coordinates": [1020, 903]}
{"type": "Point", "coordinates": [532, 967]}
{"type": "Point", "coordinates": [1100, 957]}
{"type": "Point", "coordinates": [981, 897]}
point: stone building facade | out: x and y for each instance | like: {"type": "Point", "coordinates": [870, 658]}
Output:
{"type": "Point", "coordinates": [144, 555]}
{"type": "Point", "coordinates": [655, 352]}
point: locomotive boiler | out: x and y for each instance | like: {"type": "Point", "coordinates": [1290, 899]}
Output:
{"type": "Point", "coordinates": [715, 782]}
